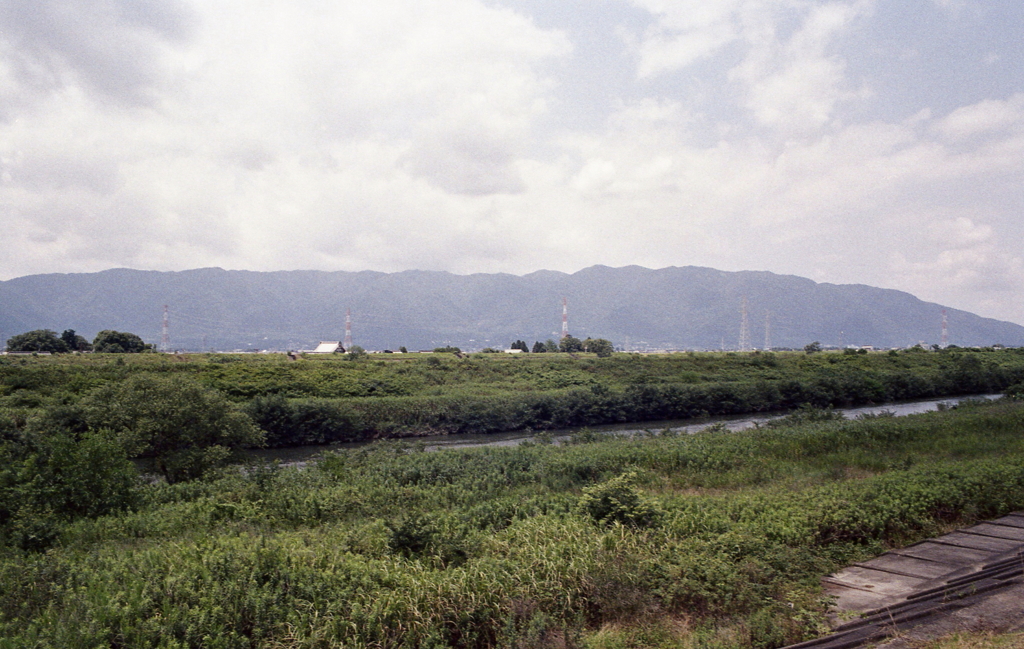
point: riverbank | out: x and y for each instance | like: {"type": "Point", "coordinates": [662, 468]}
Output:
{"type": "Point", "coordinates": [300, 455]}
{"type": "Point", "coordinates": [321, 400]}
{"type": "Point", "coordinates": [704, 540]}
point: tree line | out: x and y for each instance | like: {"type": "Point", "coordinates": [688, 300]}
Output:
{"type": "Point", "coordinates": [107, 341]}
{"type": "Point", "coordinates": [570, 345]}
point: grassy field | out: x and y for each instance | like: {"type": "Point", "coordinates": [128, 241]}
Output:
{"type": "Point", "coordinates": [708, 540]}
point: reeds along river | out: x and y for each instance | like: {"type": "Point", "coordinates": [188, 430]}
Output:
{"type": "Point", "coordinates": [302, 455]}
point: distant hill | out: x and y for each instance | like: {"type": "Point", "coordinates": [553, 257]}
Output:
{"type": "Point", "coordinates": [634, 307]}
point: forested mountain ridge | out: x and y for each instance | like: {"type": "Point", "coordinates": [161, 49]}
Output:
{"type": "Point", "coordinates": [637, 308]}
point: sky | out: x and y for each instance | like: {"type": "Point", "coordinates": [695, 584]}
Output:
{"type": "Point", "coordinates": [874, 142]}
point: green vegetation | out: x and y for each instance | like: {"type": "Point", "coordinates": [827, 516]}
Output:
{"type": "Point", "coordinates": [598, 346]}
{"type": "Point", "coordinates": [45, 340]}
{"type": "Point", "coordinates": [359, 396]}
{"type": "Point", "coordinates": [109, 341]}
{"type": "Point", "coordinates": [706, 540]}
{"type": "Point", "coordinates": [570, 345]}
{"type": "Point", "coordinates": [40, 340]}
{"type": "Point", "coordinates": [185, 428]}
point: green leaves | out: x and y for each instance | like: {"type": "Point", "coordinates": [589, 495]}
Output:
{"type": "Point", "coordinates": [54, 477]}
{"type": "Point", "coordinates": [40, 340]}
{"type": "Point", "coordinates": [109, 341]}
{"type": "Point", "coordinates": [619, 501]}
{"type": "Point", "coordinates": [187, 429]}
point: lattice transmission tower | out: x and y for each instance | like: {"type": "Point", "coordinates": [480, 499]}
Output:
{"type": "Point", "coordinates": [565, 318]}
{"type": "Point", "coordinates": [348, 330]}
{"type": "Point", "coordinates": [744, 327]}
{"type": "Point", "coordinates": [165, 333]}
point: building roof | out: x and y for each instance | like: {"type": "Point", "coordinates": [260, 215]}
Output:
{"type": "Point", "coordinates": [327, 347]}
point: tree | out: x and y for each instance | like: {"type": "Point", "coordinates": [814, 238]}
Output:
{"type": "Point", "coordinates": [109, 341]}
{"type": "Point", "coordinates": [550, 346]}
{"type": "Point", "coordinates": [75, 342]}
{"type": "Point", "coordinates": [520, 344]}
{"type": "Point", "coordinates": [813, 348]}
{"type": "Point", "coordinates": [603, 348]}
{"type": "Point", "coordinates": [570, 345]}
{"type": "Point", "coordinates": [40, 340]}
{"type": "Point", "coordinates": [185, 427]}
{"type": "Point", "coordinates": [538, 347]}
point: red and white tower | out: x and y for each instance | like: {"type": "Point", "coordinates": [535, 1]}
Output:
{"type": "Point", "coordinates": [565, 318]}
{"type": "Point", "coordinates": [945, 331]}
{"type": "Point", "coordinates": [348, 330]}
{"type": "Point", "coordinates": [165, 334]}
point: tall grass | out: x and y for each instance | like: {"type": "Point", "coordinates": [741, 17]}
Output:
{"type": "Point", "coordinates": [713, 539]}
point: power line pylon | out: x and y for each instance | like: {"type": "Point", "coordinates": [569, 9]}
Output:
{"type": "Point", "coordinates": [565, 318]}
{"type": "Point", "coordinates": [348, 330]}
{"type": "Point", "coordinates": [165, 335]}
{"type": "Point", "coordinates": [744, 327]}
{"type": "Point", "coordinates": [945, 331]}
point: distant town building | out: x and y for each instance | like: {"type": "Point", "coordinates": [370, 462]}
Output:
{"type": "Point", "coordinates": [328, 347]}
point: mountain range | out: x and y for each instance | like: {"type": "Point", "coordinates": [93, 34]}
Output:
{"type": "Point", "coordinates": [636, 308]}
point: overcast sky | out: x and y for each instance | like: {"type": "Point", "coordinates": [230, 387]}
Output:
{"type": "Point", "coordinates": [854, 141]}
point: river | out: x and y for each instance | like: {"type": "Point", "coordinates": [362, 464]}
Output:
{"type": "Point", "coordinates": [304, 454]}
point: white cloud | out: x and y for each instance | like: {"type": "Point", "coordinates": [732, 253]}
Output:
{"type": "Point", "coordinates": [111, 47]}
{"type": "Point", "coordinates": [794, 85]}
{"type": "Point", "coordinates": [792, 81]}
{"type": "Point", "coordinates": [278, 121]}
{"type": "Point", "coordinates": [399, 135]}
{"type": "Point", "coordinates": [685, 32]}
{"type": "Point", "coordinates": [985, 117]}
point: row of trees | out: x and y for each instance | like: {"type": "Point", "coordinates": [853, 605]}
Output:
{"type": "Point", "coordinates": [107, 341]}
{"type": "Point", "coordinates": [603, 348]}
{"type": "Point", "coordinates": [570, 345]}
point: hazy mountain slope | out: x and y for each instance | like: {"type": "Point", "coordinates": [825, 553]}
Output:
{"type": "Point", "coordinates": [687, 307]}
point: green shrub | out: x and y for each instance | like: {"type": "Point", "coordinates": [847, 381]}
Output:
{"type": "Point", "coordinates": [619, 501]}
{"type": "Point", "coordinates": [187, 429]}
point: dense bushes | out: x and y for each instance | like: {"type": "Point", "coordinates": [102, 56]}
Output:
{"type": "Point", "coordinates": [698, 540]}
{"type": "Point", "coordinates": [301, 422]}
{"type": "Point", "coordinates": [185, 428]}
{"type": "Point", "coordinates": [49, 478]}
{"type": "Point", "coordinates": [588, 406]}
{"type": "Point", "coordinates": [323, 400]}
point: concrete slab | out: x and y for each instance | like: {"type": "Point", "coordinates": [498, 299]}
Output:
{"type": "Point", "coordinates": [930, 572]}
{"type": "Point", "coordinates": [1001, 531]}
{"type": "Point", "coordinates": [1015, 519]}
{"type": "Point", "coordinates": [884, 584]}
{"type": "Point", "coordinates": [909, 566]}
{"type": "Point", "coordinates": [853, 600]}
{"type": "Point", "coordinates": [978, 542]}
{"type": "Point", "coordinates": [945, 554]}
